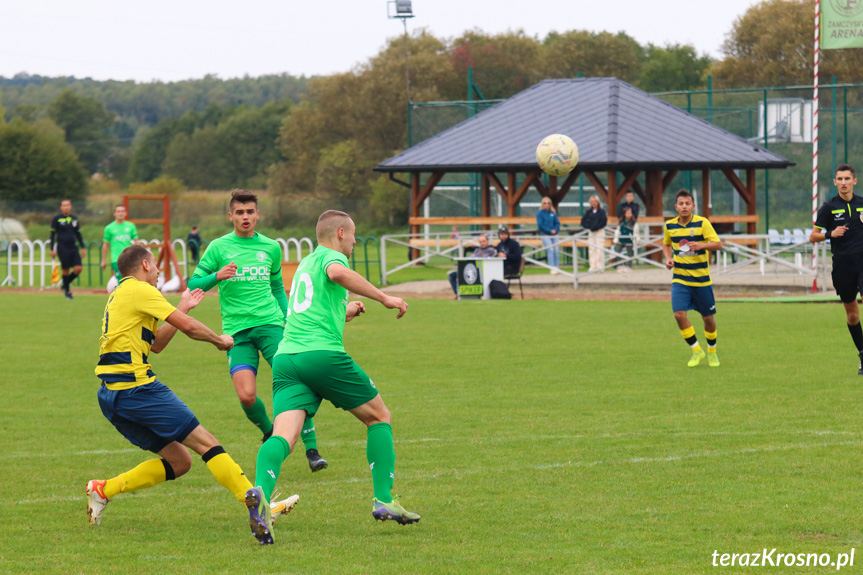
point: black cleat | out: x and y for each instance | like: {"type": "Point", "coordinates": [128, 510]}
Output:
{"type": "Point", "coordinates": [69, 295]}
{"type": "Point", "coordinates": [266, 436]}
{"type": "Point", "coordinates": [316, 462]}
{"type": "Point", "coordinates": [860, 365]}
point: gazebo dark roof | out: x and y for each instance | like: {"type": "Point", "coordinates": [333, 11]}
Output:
{"type": "Point", "coordinates": [615, 125]}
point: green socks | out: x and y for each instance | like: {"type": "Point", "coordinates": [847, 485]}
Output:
{"type": "Point", "coordinates": [257, 414]}
{"type": "Point", "coordinates": [382, 460]}
{"type": "Point", "coordinates": [270, 457]}
{"type": "Point", "coordinates": [310, 439]}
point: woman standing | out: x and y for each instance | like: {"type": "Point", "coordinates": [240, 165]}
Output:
{"type": "Point", "coordinates": [594, 220]}
{"type": "Point", "coordinates": [549, 228]}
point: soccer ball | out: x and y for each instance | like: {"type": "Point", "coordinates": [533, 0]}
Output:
{"type": "Point", "coordinates": [557, 155]}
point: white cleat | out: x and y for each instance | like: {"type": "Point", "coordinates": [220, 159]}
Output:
{"type": "Point", "coordinates": [96, 501]}
{"type": "Point", "coordinates": [283, 507]}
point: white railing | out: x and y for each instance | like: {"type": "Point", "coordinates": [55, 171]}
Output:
{"type": "Point", "coordinates": [29, 263]}
{"type": "Point", "coordinates": [741, 254]}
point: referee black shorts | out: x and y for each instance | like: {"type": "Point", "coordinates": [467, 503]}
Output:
{"type": "Point", "coordinates": [69, 257]}
{"type": "Point", "coordinates": [847, 276]}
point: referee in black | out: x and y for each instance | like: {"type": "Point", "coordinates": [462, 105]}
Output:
{"type": "Point", "coordinates": [67, 232]}
{"type": "Point", "coordinates": [840, 220]}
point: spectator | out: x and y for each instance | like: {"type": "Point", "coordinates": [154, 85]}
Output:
{"type": "Point", "coordinates": [629, 202]}
{"type": "Point", "coordinates": [485, 250]}
{"type": "Point", "coordinates": [511, 250]}
{"type": "Point", "coordinates": [625, 238]}
{"type": "Point", "coordinates": [594, 220]}
{"type": "Point", "coordinates": [549, 228]}
{"type": "Point", "coordinates": [193, 241]}
{"type": "Point", "coordinates": [455, 235]}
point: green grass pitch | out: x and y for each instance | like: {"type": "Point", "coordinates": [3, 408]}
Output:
{"type": "Point", "coordinates": [532, 436]}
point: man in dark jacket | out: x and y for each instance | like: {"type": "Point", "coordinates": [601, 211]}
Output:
{"type": "Point", "coordinates": [628, 202]}
{"type": "Point", "coordinates": [511, 250]}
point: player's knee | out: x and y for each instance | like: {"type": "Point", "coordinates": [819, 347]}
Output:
{"type": "Point", "coordinates": [180, 462]}
{"type": "Point", "coordinates": [247, 399]}
{"type": "Point", "coordinates": [853, 317]}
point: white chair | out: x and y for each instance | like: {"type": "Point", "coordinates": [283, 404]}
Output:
{"type": "Point", "coordinates": [787, 236]}
{"type": "Point", "coordinates": [773, 237]}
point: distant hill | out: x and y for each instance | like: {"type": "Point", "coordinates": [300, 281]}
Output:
{"type": "Point", "coordinates": [140, 104]}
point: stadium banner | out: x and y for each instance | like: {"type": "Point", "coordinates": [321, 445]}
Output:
{"type": "Point", "coordinates": [841, 24]}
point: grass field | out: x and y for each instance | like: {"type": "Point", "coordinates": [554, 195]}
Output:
{"type": "Point", "coordinates": [532, 436]}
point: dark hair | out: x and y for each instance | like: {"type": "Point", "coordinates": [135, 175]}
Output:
{"type": "Point", "coordinates": [130, 259]}
{"type": "Point", "coordinates": [239, 196]}
{"type": "Point", "coordinates": [682, 193]}
{"type": "Point", "coordinates": [845, 168]}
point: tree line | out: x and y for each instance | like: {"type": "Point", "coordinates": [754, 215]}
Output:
{"type": "Point", "coordinates": [315, 140]}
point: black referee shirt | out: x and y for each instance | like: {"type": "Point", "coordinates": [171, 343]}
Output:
{"type": "Point", "coordinates": [837, 212]}
{"type": "Point", "coordinates": [65, 230]}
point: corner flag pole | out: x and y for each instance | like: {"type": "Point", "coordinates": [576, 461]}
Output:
{"type": "Point", "coordinates": [815, 139]}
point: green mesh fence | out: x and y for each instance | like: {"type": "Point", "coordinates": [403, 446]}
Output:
{"type": "Point", "coordinates": [784, 196]}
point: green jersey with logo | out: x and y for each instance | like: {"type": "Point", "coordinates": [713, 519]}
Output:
{"type": "Point", "coordinates": [247, 299]}
{"type": "Point", "coordinates": [316, 306]}
{"type": "Point", "coordinates": [120, 237]}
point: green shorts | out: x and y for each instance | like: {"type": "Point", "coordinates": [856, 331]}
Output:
{"type": "Point", "coordinates": [303, 380]}
{"type": "Point", "coordinates": [247, 344]}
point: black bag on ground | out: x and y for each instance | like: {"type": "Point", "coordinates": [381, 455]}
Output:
{"type": "Point", "coordinates": [498, 290]}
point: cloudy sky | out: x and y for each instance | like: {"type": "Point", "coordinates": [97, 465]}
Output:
{"type": "Point", "coordinates": [179, 39]}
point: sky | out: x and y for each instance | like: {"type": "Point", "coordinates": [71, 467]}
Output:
{"type": "Point", "coordinates": [171, 40]}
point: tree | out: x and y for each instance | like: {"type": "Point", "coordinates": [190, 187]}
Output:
{"type": "Point", "coordinates": [673, 67]}
{"type": "Point", "coordinates": [771, 45]}
{"type": "Point", "coordinates": [593, 54]}
{"type": "Point", "coordinates": [85, 122]}
{"type": "Point", "coordinates": [503, 64]}
{"type": "Point", "coordinates": [36, 164]}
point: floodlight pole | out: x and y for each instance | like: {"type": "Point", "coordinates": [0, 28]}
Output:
{"type": "Point", "coordinates": [407, 60]}
{"type": "Point", "coordinates": [402, 10]}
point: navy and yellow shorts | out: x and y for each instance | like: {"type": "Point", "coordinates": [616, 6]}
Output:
{"type": "Point", "coordinates": [150, 416]}
{"type": "Point", "coordinates": [699, 298]}
{"type": "Point", "coordinates": [303, 380]}
{"type": "Point", "coordinates": [247, 344]}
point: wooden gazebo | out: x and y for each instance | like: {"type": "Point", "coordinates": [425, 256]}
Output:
{"type": "Point", "coordinates": [627, 139]}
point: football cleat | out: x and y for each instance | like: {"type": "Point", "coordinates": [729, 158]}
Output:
{"type": "Point", "coordinates": [283, 507]}
{"type": "Point", "coordinates": [697, 357]}
{"type": "Point", "coordinates": [260, 520]}
{"type": "Point", "coordinates": [393, 510]}
{"type": "Point", "coordinates": [316, 462]}
{"type": "Point", "coordinates": [96, 501]}
{"type": "Point", "coordinates": [712, 359]}
{"type": "Point", "coordinates": [860, 365]}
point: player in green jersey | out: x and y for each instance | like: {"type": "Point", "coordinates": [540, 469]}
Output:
{"type": "Point", "coordinates": [118, 236]}
{"type": "Point", "coordinates": [247, 267]}
{"type": "Point", "coordinates": [311, 365]}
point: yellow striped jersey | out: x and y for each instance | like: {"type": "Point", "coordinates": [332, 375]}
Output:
{"type": "Point", "coordinates": [690, 268]}
{"type": "Point", "coordinates": [128, 330]}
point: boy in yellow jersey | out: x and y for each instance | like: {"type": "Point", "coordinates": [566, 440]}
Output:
{"type": "Point", "coordinates": [141, 408]}
{"type": "Point", "coordinates": [686, 241]}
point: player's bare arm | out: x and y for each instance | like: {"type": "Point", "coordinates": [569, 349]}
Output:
{"type": "Point", "coordinates": [355, 308]}
{"type": "Point", "coordinates": [105, 248]}
{"type": "Point", "coordinates": [669, 258]}
{"type": "Point", "coordinates": [355, 283]}
{"type": "Point", "coordinates": [820, 235]}
{"type": "Point", "coordinates": [709, 246]}
{"type": "Point", "coordinates": [194, 329]}
{"type": "Point", "coordinates": [227, 272]}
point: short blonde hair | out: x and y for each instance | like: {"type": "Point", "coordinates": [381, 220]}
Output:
{"type": "Point", "coordinates": [329, 223]}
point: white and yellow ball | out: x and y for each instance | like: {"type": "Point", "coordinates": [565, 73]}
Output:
{"type": "Point", "coordinates": [557, 155]}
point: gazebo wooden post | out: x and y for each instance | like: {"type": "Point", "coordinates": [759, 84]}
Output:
{"type": "Point", "coordinates": [485, 192]}
{"type": "Point", "coordinates": [415, 209]}
{"type": "Point", "coordinates": [750, 202]}
{"type": "Point", "coordinates": [613, 200]}
{"type": "Point", "coordinates": [511, 205]}
{"type": "Point", "coordinates": [705, 193]}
